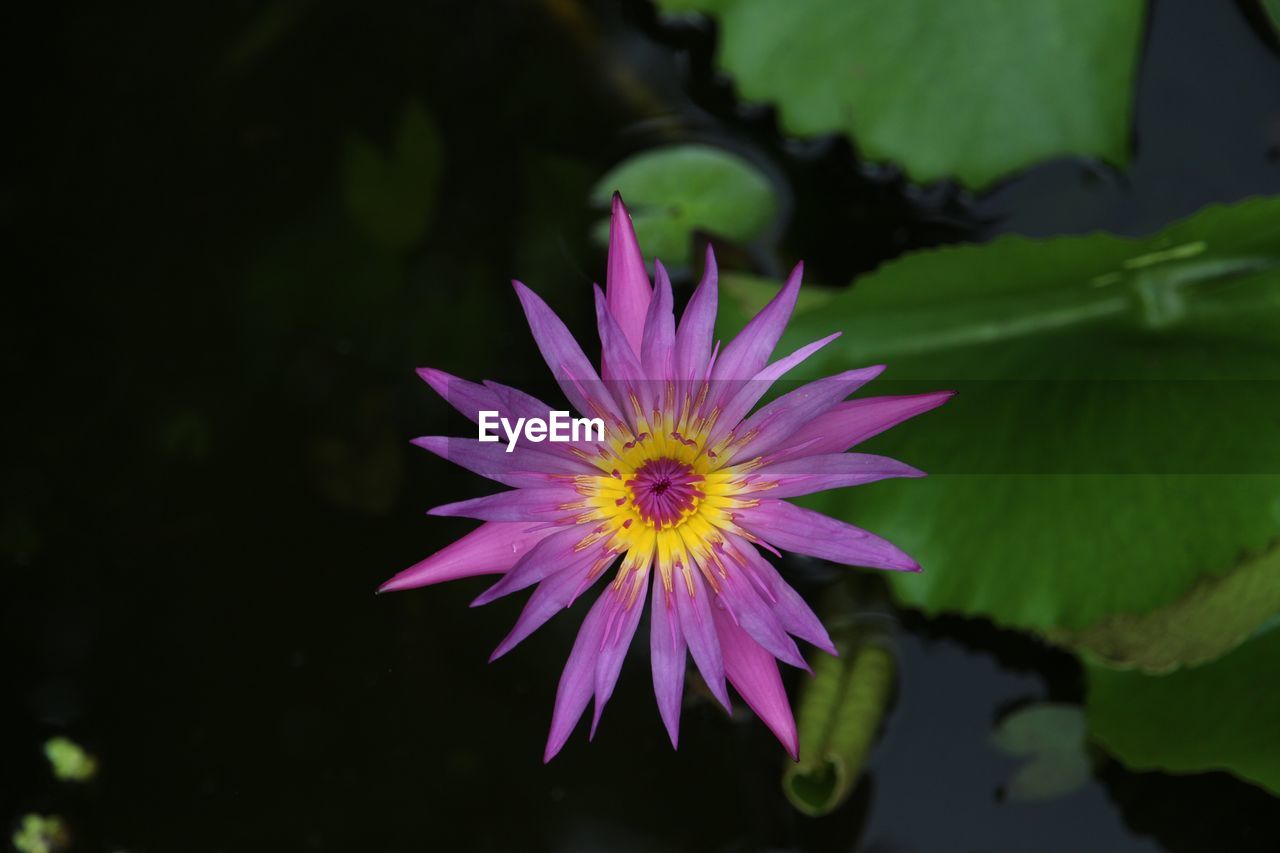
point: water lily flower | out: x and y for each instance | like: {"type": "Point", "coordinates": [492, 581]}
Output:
{"type": "Point", "coordinates": [686, 487]}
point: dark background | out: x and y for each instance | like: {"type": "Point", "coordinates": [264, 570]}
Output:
{"type": "Point", "coordinates": [210, 390]}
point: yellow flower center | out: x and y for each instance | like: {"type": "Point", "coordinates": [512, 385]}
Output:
{"type": "Point", "coordinates": [663, 496]}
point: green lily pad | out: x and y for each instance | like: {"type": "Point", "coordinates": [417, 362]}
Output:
{"type": "Point", "coordinates": [1052, 737]}
{"type": "Point", "coordinates": [392, 195]}
{"type": "Point", "coordinates": [967, 90]}
{"type": "Point", "coordinates": [1217, 614]}
{"type": "Point", "coordinates": [673, 192]}
{"type": "Point", "coordinates": [1114, 439]}
{"type": "Point", "coordinates": [1220, 716]}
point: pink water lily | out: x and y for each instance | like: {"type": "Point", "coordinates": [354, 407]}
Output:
{"type": "Point", "coordinates": [687, 484]}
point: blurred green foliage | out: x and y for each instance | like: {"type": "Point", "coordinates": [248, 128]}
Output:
{"type": "Point", "coordinates": [392, 195]}
{"type": "Point", "coordinates": [339, 279]}
{"type": "Point", "coordinates": [967, 90]}
{"type": "Point", "coordinates": [41, 834]}
{"type": "Point", "coordinates": [69, 760]}
{"type": "Point", "coordinates": [324, 276]}
{"type": "Point", "coordinates": [676, 191]}
{"type": "Point", "coordinates": [360, 468]}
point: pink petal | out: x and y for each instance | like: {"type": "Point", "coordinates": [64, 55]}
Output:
{"type": "Point", "coordinates": [810, 474]}
{"type": "Point", "coordinates": [659, 330]}
{"type": "Point", "coordinates": [467, 397]}
{"type": "Point", "coordinates": [853, 421]}
{"type": "Point", "coordinates": [554, 553]}
{"type": "Point", "coordinates": [517, 402]}
{"type": "Point", "coordinates": [699, 631]}
{"type": "Point", "coordinates": [626, 280]}
{"type": "Point", "coordinates": [744, 607]}
{"type": "Point", "coordinates": [742, 401]}
{"type": "Point", "coordinates": [523, 466]}
{"type": "Point", "coordinates": [535, 504]}
{"type": "Point", "coordinates": [804, 531]}
{"type": "Point", "coordinates": [793, 613]}
{"type": "Point", "coordinates": [619, 365]}
{"type": "Point", "coordinates": [552, 595]}
{"type": "Point", "coordinates": [779, 420]}
{"type": "Point", "coordinates": [492, 548]}
{"type": "Point", "coordinates": [754, 674]}
{"type": "Point", "coordinates": [577, 682]}
{"type": "Point", "coordinates": [667, 655]}
{"type": "Point", "coordinates": [573, 372]}
{"type": "Point", "coordinates": [697, 326]}
{"type": "Point", "coordinates": [620, 627]}
{"type": "Point", "coordinates": [750, 350]}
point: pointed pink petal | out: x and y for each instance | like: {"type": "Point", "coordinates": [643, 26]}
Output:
{"type": "Point", "coordinates": [553, 594]}
{"type": "Point", "coordinates": [659, 330]}
{"type": "Point", "coordinates": [745, 608]}
{"type": "Point", "coordinates": [666, 653]}
{"type": "Point", "coordinates": [516, 403]}
{"type": "Point", "coordinates": [804, 531]}
{"type": "Point", "coordinates": [810, 474]}
{"type": "Point", "coordinates": [700, 633]}
{"type": "Point", "coordinates": [853, 421]}
{"type": "Point", "coordinates": [577, 682]}
{"type": "Point", "coordinates": [572, 370]}
{"type": "Point", "coordinates": [535, 504]}
{"type": "Point", "coordinates": [754, 674]}
{"type": "Point", "coordinates": [470, 399]}
{"type": "Point", "coordinates": [554, 553]}
{"type": "Point", "coordinates": [620, 627]}
{"type": "Point", "coordinates": [626, 281]}
{"type": "Point", "coordinates": [697, 326]}
{"type": "Point", "coordinates": [619, 365]}
{"type": "Point", "coordinates": [795, 615]}
{"type": "Point", "coordinates": [779, 420]}
{"type": "Point", "coordinates": [467, 397]}
{"type": "Point", "coordinates": [492, 548]}
{"type": "Point", "coordinates": [750, 393]}
{"type": "Point", "coordinates": [522, 466]}
{"type": "Point", "coordinates": [750, 350]}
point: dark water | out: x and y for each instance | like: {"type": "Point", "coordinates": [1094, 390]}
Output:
{"type": "Point", "coordinates": [210, 389]}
